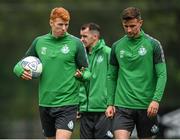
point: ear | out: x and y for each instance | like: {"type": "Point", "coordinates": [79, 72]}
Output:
{"type": "Point", "coordinates": [96, 36]}
{"type": "Point", "coordinates": [141, 22]}
{"type": "Point", "coordinates": [50, 22]}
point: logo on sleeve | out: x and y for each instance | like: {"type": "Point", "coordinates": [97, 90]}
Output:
{"type": "Point", "coordinates": [142, 51]}
{"type": "Point", "coordinates": [65, 49]}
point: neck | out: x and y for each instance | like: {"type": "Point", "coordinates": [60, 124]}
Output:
{"type": "Point", "coordinates": [92, 45]}
{"type": "Point", "coordinates": [57, 36]}
{"type": "Point", "coordinates": [137, 35]}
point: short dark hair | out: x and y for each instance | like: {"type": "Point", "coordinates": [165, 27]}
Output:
{"type": "Point", "coordinates": [131, 13]}
{"type": "Point", "coordinates": [92, 27]}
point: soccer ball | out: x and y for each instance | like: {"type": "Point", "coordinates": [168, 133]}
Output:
{"type": "Point", "coordinates": [33, 64]}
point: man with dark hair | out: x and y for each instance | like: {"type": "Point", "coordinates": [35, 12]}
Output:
{"type": "Point", "coordinates": [93, 95]}
{"type": "Point", "coordinates": [136, 81]}
{"type": "Point", "coordinates": [61, 54]}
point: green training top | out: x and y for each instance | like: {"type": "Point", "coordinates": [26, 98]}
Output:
{"type": "Point", "coordinates": [138, 72]}
{"type": "Point", "coordinates": [60, 58]}
{"type": "Point", "coordinates": [93, 96]}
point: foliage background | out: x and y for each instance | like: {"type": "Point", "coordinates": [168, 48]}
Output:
{"type": "Point", "coordinates": [23, 20]}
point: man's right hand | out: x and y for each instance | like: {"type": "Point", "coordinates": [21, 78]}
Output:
{"type": "Point", "coordinates": [79, 73]}
{"type": "Point", "coordinates": [26, 75]}
{"type": "Point", "coordinates": [110, 111]}
{"type": "Point", "coordinates": [78, 116]}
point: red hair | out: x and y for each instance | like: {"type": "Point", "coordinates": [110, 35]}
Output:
{"type": "Point", "coordinates": [60, 12]}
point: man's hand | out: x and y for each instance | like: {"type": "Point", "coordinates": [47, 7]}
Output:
{"type": "Point", "coordinates": [78, 116]}
{"type": "Point", "coordinates": [110, 111]}
{"type": "Point", "coordinates": [26, 75]}
{"type": "Point", "coordinates": [153, 109]}
{"type": "Point", "coordinates": [79, 73]}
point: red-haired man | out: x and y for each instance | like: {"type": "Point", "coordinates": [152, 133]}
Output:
{"type": "Point", "coordinates": [61, 54]}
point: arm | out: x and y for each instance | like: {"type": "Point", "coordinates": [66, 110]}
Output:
{"type": "Point", "coordinates": [161, 74]}
{"type": "Point", "coordinates": [161, 81]}
{"type": "Point", "coordinates": [18, 69]}
{"type": "Point", "coordinates": [160, 69]}
{"type": "Point", "coordinates": [82, 63]}
{"type": "Point", "coordinates": [112, 83]}
{"type": "Point", "coordinates": [112, 77]}
{"type": "Point", "coordinates": [160, 86]}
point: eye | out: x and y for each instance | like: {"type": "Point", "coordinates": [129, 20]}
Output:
{"type": "Point", "coordinates": [60, 24]}
{"type": "Point", "coordinates": [84, 36]}
{"type": "Point", "coordinates": [132, 26]}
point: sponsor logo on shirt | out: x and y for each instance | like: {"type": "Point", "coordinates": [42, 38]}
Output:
{"type": "Point", "coordinates": [122, 53]}
{"type": "Point", "coordinates": [142, 51]}
{"type": "Point", "coordinates": [43, 50]}
{"type": "Point", "coordinates": [65, 49]}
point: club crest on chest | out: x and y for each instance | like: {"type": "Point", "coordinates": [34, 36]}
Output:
{"type": "Point", "coordinates": [65, 49]}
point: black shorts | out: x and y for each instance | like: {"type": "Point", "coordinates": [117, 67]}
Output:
{"type": "Point", "coordinates": [95, 125]}
{"type": "Point", "coordinates": [127, 119]}
{"type": "Point", "coordinates": [53, 118]}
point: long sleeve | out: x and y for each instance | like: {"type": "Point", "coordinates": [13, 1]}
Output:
{"type": "Point", "coordinates": [111, 83]}
{"type": "Point", "coordinates": [112, 77]}
{"type": "Point", "coordinates": [82, 61]}
{"type": "Point", "coordinates": [161, 81]}
{"type": "Point", "coordinates": [160, 69]}
{"type": "Point", "coordinates": [18, 69]}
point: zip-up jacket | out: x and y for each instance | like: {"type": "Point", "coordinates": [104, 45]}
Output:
{"type": "Point", "coordinates": [93, 95]}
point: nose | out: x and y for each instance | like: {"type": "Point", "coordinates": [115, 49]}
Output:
{"type": "Point", "coordinates": [64, 27]}
{"type": "Point", "coordinates": [81, 39]}
{"type": "Point", "coordinates": [129, 29]}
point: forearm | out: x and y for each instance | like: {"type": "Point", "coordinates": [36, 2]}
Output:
{"type": "Point", "coordinates": [18, 69]}
{"type": "Point", "coordinates": [86, 74]}
{"type": "Point", "coordinates": [161, 81]}
{"type": "Point", "coordinates": [111, 83]}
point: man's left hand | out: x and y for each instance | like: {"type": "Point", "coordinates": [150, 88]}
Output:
{"type": "Point", "coordinates": [153, 109]}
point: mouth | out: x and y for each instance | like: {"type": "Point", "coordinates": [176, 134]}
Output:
{"type": "Point", "coordinates": [60, 32]}
{"type": "Point", "coordinates": [129, 34]}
